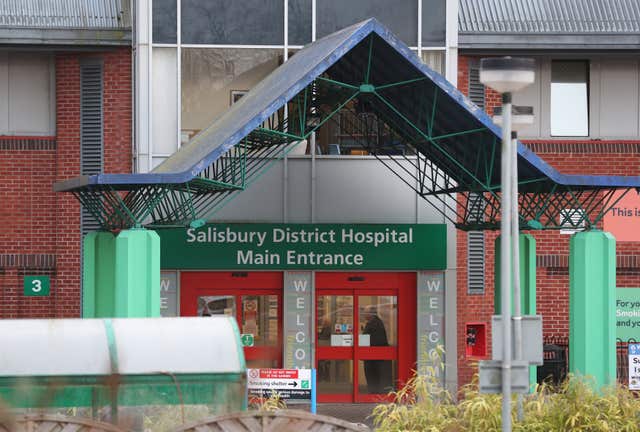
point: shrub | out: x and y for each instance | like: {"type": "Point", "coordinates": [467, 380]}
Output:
{"type": "Point", "coordinates": [573, 406]}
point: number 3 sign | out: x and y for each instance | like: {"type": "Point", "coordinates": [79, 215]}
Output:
{"type": "Point", "coordinates": [36, 285]}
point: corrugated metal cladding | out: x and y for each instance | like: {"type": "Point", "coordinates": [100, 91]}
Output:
{"type": "Point", "coordinates": [549, 16]}
{"type": "Point", "coordinates": [55, 14]}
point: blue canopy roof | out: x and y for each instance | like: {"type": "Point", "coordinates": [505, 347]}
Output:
{"type": "Point", "coordinates": [367, 64]}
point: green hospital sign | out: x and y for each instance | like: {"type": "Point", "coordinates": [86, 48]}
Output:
{"type": "Point", "coordinates": [628, 314]}
{"type": "Point", "coordinates": [36, 286]}
{"type": "Point", "coordinates": [305, 246]}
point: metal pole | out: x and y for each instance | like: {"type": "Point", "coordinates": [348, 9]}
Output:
{"type": "Point", "coordinates": [515, 240]}
{"type": "Point", "coordinates": [505, 260]}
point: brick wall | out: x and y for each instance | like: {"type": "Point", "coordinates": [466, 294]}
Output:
{"type": "Point", "coordinates": [552, 248]}
{"type": "Point", "coordinates": [41, 232]}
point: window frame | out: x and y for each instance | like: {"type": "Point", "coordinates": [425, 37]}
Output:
{"type": "Point", "coordinates": [587, 64]}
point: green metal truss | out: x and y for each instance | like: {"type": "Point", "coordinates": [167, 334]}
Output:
{"type": "Point", "coordinates": [461, 186]}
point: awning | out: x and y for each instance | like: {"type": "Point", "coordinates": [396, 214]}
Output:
{"type": "Point", "coordinates": [453, 144]}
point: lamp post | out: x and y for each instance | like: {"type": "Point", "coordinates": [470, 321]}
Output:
{"type": "Point", "coordinates": [507, 75]}
{"type": "Point", "coordinates": [520, 116]}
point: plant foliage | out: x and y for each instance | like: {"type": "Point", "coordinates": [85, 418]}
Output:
{"type": "Point", "coordinates": [572, 406]}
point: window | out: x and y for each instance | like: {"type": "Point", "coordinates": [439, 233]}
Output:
{"type": "Point", "coordinates": [27, 87]}
{"type": "Point", "coordinates": [359, 130]}
{"type": "Point", "coordinates": [572, 220]}
{"type": "Point", "coordinates": [569, 98]}
{"type": "Point", "coordinates": [434, 59]}
{"type": "Point", "coordinates": [213, 78]}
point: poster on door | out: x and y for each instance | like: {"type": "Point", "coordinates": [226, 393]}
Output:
{"type": "Point", "coordinates": [250, 316]}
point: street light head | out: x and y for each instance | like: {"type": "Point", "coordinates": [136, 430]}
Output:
{"type": "Point", "coordinates": [521, 116]}
{"type": "Point", "coordinates": [507, 74]}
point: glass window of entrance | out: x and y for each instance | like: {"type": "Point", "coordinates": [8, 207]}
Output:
{"type": "Point", "coordinates": [335, 320]}
{"type": "Point", "coordinates": [378, 320]}
{"type": "Point", "coordinates": [260, 319]}
{"type": "Point", "coordinates": [217, 305]}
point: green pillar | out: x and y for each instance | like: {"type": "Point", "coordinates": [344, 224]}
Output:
{"type": "Point", "coordinates": [527, 275]}
{"type": "Point", "coordinates": [592, 325]}
{"type": "Point", "coordinates": [527, 285]}
{"type": "Point", "coordinates": [121, 274]}
{"type": "Point", "coordinates": [98, 276]}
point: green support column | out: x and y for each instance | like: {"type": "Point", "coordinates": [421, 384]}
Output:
{"type": "Point", "coordinates": [527, 284]}
{"type": "Point", "coordinates": [98, 283]}
{"type": "Point", "coordinates": [592, 325]}
{"type": "Point", "coordinates": [122, 275]}
{"type": "Point", "coordinates": [527, 275]}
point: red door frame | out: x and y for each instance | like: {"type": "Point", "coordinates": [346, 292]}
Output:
{"type": "Point", "coordinates": [195, 283]}
{"type": "Point", "coordinates": [403, 285]}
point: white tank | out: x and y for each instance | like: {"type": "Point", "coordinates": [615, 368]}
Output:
{"type": "Point", "coordinates": [71, 347]}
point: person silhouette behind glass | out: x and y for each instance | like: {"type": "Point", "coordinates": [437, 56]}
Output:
{"type": "Point", "coordinates": [377, 372]}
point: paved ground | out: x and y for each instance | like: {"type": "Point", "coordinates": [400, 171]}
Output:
{"type": "Point", "coordinates": [355, 413]}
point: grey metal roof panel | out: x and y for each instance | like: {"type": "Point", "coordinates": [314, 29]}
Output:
{"type": "Point", "coordinates": [65, 14]}
{"type": "Point", "coordinates": [549, 16]}
{"type": "Point", "coordinates": [341, 53]}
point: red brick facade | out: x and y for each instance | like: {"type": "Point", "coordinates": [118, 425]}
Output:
{"type": "Point", "coordinates": [41, 233]}
{"type": "Point", "coordinates": [552, 248]}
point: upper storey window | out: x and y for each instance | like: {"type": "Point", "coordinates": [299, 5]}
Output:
{"type": "Point", "coordinates": [27, 105]}
{"type": "Point", "coordinates": [570, 98]}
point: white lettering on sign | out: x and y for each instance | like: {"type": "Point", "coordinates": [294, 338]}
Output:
{"type": "Point", "coordinates": [328, 259]}
{"type": "Point", "coordinates": [300, 285]}
{"type": "Point", "coordinates": [378, 237]}
{"type": "Point", "coordinates": [250, 257]}
{"type": "Point", "coordinates": [165, 284]}
{"type": "Point", "coordinates": [226, 235]}
{"type": "Point", "coordinates": [430, 324]}
{"type": "Point", "coordinates": [297, 320]}
{"type": "Point", "coordinates": [433, 285]}
{"type": "Point", "coordinates": [37, 285]}
{"type": "Point", "coordinates": [315, 235]}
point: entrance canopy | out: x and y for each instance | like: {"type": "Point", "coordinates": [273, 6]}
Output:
{"type": "Point", "coordinates": [451, 146]}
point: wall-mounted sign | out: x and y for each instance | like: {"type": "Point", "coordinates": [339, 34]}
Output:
{"type": "Point", "coordinates": [634, 366]}
{"type": "Point", "coordinates": [628, 314]}
{"type": "Point", "coordinates": [297, 320]}
{"type": "Point", "coordinates": [305, 247]}
{"type": "Point", "coordinates": [623, 219]}
{"type": "Point", "coordinates": [290, 384]}
{"type": "Point", "coordinates": [36, 286]}
{"type": "Point", "coordinates": [247, 339]}
{"type": "Point", "coordinates": [430, 323]}
{"type": "Point", "coordinates": [168, 294]}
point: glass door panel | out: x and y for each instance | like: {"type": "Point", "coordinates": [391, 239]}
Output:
{"type": "Point", "coordinates": [335, 321]}
{"type": "Point", "coordinates": [260, 318]}
{"type": "Point", "coordinates": [378, 318]}
{"type": "Point", "coordinates": [376, 353]}
{"type": "Point", "coordinates": [217, 305]}
{"type": "Point", "coordinates": [335, 376]}
{"type": "Point", "coordinates": [376, 377]}
{"type": "Point", "coordinates": [336, 332]}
